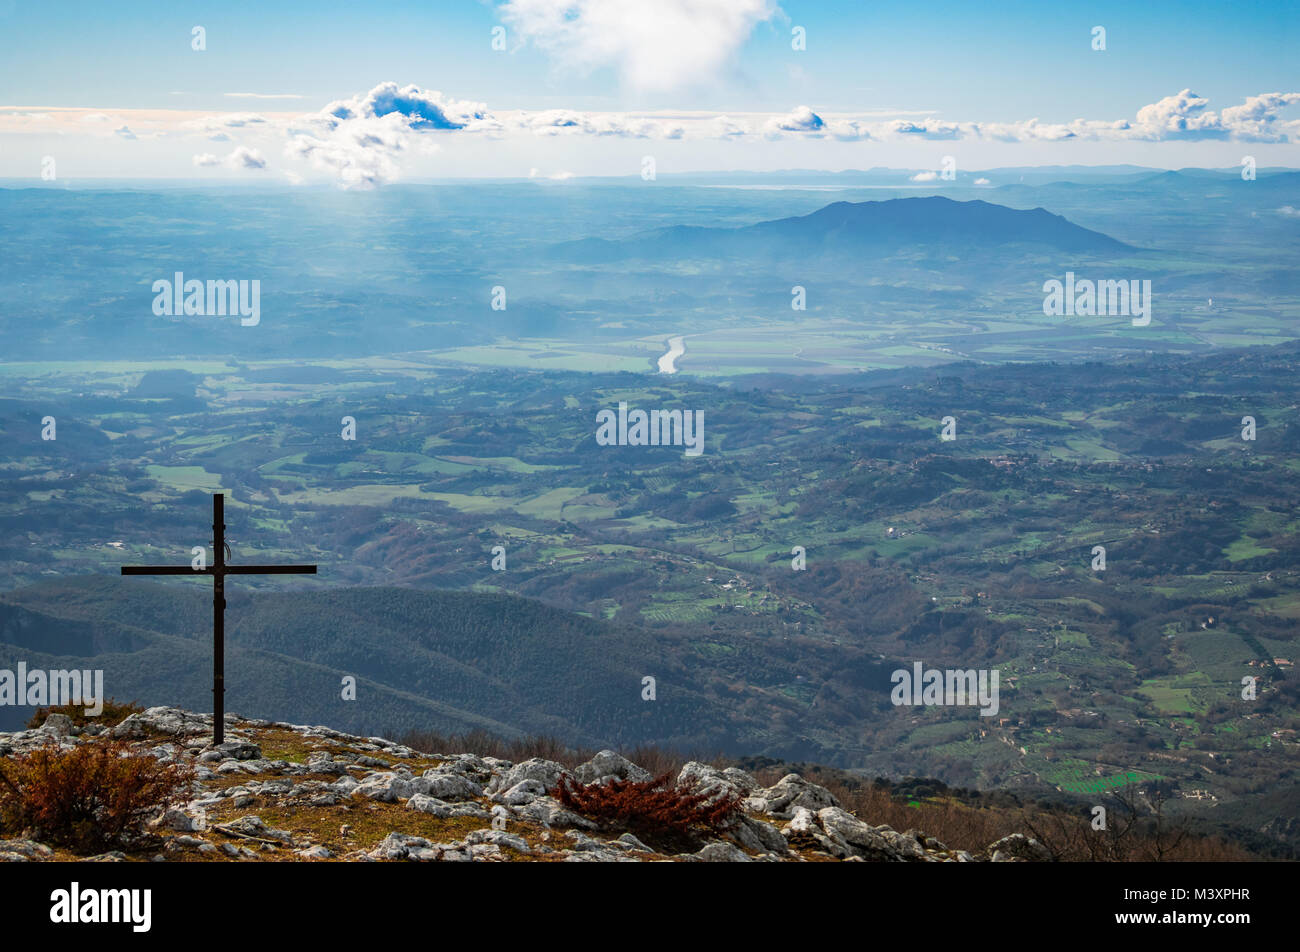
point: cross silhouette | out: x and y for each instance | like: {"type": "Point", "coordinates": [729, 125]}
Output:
{"type": "Point", "coordinates": [219, 570]}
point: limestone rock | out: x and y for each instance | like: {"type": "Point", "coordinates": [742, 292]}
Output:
{"type": "Point", "coordinates": [1018, 848]}
{"type": "Point", "coordinates": [608, 765]}
{"type": "Point", "coordinates": [546, 772]}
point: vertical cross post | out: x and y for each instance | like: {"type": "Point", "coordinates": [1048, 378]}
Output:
{"type": "Point", "coordinates": [218, 618]}
{"type": "Point", "coordinates": [219, 570]}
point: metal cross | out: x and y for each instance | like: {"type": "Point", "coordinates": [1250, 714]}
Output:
{"type": "Point", "coordinates": [219, 570]}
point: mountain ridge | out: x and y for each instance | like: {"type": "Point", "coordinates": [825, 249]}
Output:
{"type": "Point", "coordinates": [854, 227]}
{"type": "Point", "coordinates": [423, 659]}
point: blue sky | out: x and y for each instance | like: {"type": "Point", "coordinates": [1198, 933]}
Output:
{"type": "Point", "coordinates": [116, 89]}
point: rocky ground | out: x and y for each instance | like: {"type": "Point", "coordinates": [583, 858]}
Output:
{"type": "Point", "coordinates": [277, 792]}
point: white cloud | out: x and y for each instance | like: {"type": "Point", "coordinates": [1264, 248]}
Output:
{"type": "Point", "coordinates": [124, 131]}
{"type": "Point", "coordinates": [925, 177]}
{"type": "Point", "coordinates": [982, 181]}
{"type": "Point", "coordinates": [246, 158]}
{"type": "Point", "coordinates": [241, 158]}
{"type": "Point", "coordinates": [658, 46]}
{"type": "Point", "coordinates": [552, 122]}
{"type": "Point", "coordinates": [1182, 116]}
{"type": "Point", "coordinates": [1032, 130]}
{"type": "Point", "coordinates": [848, 130]}
{"type": "Point", "coordinates": [925, 129]}
{"type": "Point", "coordinates": [215, 127]}
{"type": "Point", "coordinates": [1257, 117]}
{"type": "Point", "coordinates": [802, 120]}
{"type": "Point", "coordinates": [1179, 116]}
{"type": "Point", "coordinates": [358, 152]}
{"type": "Point", "coordinates": [423, 110]}
{"type": "Point", "coordinates": [358, 139]}
{"type": "Point", "coordinates": [724, 127]}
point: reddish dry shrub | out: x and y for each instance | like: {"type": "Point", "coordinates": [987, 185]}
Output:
{"type": "Point", "coordinates": [97, 794]}
{"type": "Point", "coordinates": [484, 744]}
{"type": "Point", "coordinates": [113, 714]}
{"type": "Point", "coordinates": [663, 814]}
{"type": "Point", "coordinates": [656, 760]}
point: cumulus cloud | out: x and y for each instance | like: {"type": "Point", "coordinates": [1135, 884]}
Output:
{"type": "Point", "coordinates": [360, 153]}
{"type": "Point", "coordinates": [246, 158]}
{"type": "Point", "coordinates": [925, 177]}
{"type": "Point", "coordinates": [848, 130]}
{"type": "Point", "coordinates": [1186, 116]}
{"type": "Point", "coordinates": [656, 46]}
{"type": "Point", "coordinates": [925, 129]}
{"type": "Point", "coordinates": [241, 158]}
{"type": "Point", "coordinates": [802, 120]}
{"type": "Point", "coordinates": [124, 131]}
{"type": "Point", "coordinates": [358, 139]}
{"type": "Point", "coordinates": [1182, 115]}
{"type": "Point", "coordinates": [724, 127]}
{"type": "Point", "coordinates": [422, 109]}
{"type": "Point", "coordinates": [1257, 117]}
{"type": "Point", "coordinates": [982, 181]}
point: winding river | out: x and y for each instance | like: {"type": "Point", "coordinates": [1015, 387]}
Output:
{"type": "Point", "coordinates": [667, 363]}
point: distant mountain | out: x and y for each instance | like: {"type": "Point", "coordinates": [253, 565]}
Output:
{"type": "Point", "coordinates": [1195, 179]}
{"type": "Point", "coordinates": [851, 228]}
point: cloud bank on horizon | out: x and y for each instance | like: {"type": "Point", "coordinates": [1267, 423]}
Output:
{"type": "Point", "coordinates": [359, 140]}
{"type": "Point", "coordinates": [669, 47]}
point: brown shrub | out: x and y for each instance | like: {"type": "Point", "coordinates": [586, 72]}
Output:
{"type": "Point", "coordinates": [484, 744]}
{"type": "Point", "coordinates": [113, 714]}
{"type": "Point", "coordinates": [664, 815]}
{"type": "Point", "coordinates": [655, 760]}
{"type": "Point", "coordinates": [94, 795]}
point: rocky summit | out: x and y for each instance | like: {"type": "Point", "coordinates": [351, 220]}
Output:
{"type": "Point", "coordinates": [285, 792]}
